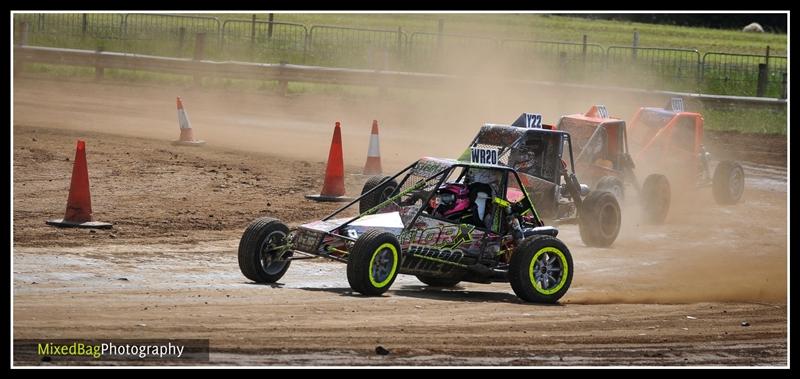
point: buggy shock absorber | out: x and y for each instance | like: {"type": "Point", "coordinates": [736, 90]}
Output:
{"type": "Point", "coordinates": [574, 189]}
{"type": "Point", "coordinates": [627, 169]}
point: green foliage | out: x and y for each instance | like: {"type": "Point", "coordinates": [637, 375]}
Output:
{"type": "Point", "coordinates": [746, 120]}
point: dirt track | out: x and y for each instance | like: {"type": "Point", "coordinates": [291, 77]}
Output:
{"type": "Point", "coordinates": [178, 213]}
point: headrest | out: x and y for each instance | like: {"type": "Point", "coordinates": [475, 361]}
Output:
{"type": "Point", "coordinates": [528, 120]}
{"type": "Point", "coordinates": [675, 104]}
{"type": "Point", "coordinates": [597, 111]}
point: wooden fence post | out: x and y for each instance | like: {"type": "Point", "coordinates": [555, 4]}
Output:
{"type": "Point", "coordinates": [783, 86]}
{"type": "Point", "coordinates": [761, 86]}
{"type": "Point", "coordinates": [99, 70]}
{"type": "Point", "coordinates": [399, 57]}
{"type": "Point", "coordinates": [562, 65]}
{"type": "Point", "coordinates": [382, 88]}
{"type": "Point", "coordinates": [23, 35]}
{"type": "Point", "coordinates": [766, 57]}
{"type": "Point", "coordinates": [583, 52]}
{"type": "Point", "coordinates": [439, 35]}
{"type": "Point", "coordinates": [181, 39]}
{"type": "Point", "coordinates": [253, 30]}
{"type": "Point", "coordinates": [23, 40]}
{"type": "Point", "coordinates": [283, 86]}
{"type": "Point", "coordinates": [269, 26]}
{"type": "Point", "coordinates": [199, 54]}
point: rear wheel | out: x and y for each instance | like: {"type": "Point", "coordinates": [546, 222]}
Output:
{"type": "Point", "coordinates": [372, 263]}
{"type": "Point", "coordinates": [379, 196]}
{"type": "Point", "coordinates": [728, 183]}
{"type": "Point", "coordinates": [599, 219]}
{"type": "Point", "coordinates": [261, 250]}
{"type": "Point", "coordinates": [612, 184]}
{"type": "Point", "coordinates": [438, 282]}
{"type": "Point", "coordinates": [656, 198]}
{"type": "Point", "coordinates": [541, 269]}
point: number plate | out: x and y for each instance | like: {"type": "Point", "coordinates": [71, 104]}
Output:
{"type": "Point", "coordinates": [307, 241]}
{"type": "Point", "coordinates": [484, 155]}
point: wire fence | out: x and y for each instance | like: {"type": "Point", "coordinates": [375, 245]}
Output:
{"type": "Point", "coordinates": [335, 46]}
{"type": "Point", "coordinates": [721, 71]}
{"type": "Point", "coordinates": [262, 41]}
{"type": "Point", "coordinates": [582, 62]}
{"type": "Point", "coordinates": [354, 47]}
{"type": "Point", "coordinates": [433, 52]}
{"type": "Point", "coordinates": [652, 66]}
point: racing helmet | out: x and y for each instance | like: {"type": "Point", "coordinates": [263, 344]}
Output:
{"type": "Point", "coordinates": [450, 199]}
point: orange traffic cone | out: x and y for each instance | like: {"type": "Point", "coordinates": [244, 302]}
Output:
{"type": "Point", "coordinates": [373, 165]}
{"type": "Point", "coordinates": [187, 137]}
{"type": "Point", "coordinates": [79, 202]}
{"type": "Point", "coordinates": [333, 188]}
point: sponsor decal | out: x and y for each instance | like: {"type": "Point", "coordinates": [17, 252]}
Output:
{"type": "Point", "coordinates": [449, 236]}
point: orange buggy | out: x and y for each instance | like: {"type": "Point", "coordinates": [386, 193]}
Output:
{"type": "Point", "coordinates": [672, 140]}
{"type": "Point", "coordinates": [605, 163]}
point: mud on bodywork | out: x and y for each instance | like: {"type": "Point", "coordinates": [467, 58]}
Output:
{"type": "Point", "coordinates": [436, 246]}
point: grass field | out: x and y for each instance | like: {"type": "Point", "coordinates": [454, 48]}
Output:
{"type": "Point", "coordinates": [538, 27]}
{"type": "Point", "coordinates": [165, 34]}
{"type": "Point", "coordinates": [752, 120]}
{"type": "Point", "coordinates": [548, 27]}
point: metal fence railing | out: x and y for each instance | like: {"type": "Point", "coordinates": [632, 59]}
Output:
{"type": "Point", "coordinates": [679, 68]}
{"type": "Point", "coordinates": [572, 61]}
{"type": "Point", "coordinates": [435, 52]}
{"type": "Point", "coordinates": [272, 42]}
{"type": "Point", "coordinates": [71, 30]}
{"type": "Point", "coordinates": [263, 41]}
{"type": "Point", "coordinates": [167, 34]}
{"type": "Point", "coordinates": [726, 73]}
{"type": "Point", "coordinates": [95, 25]}
{"type": "Point", "coordinates": [355, 47]}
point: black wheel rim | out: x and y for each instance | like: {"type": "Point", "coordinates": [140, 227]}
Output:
{"type": "Point", "coordinates": [270, 253]}
{"type": "Point", "coordinates": [386, 192]}
{"type": "Point", "coordinates": [608, 220]}
{"type": "Point", "coordinates": [736, 183]}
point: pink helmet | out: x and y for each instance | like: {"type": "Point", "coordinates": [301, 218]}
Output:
{"type": "Point", "coordinates": [450, 199]}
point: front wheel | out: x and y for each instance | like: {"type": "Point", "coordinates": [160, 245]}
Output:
{"type": "Point", "coordinates": [372, 263]}
{"type": "Point", "coordinates": [541, 269]}
{"type": "Point", "coordinates": [728, 182]}
{"type": "Point", "coordinates": [261, 250]}
{"type": "Point", "coordinates": [599, 219]}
